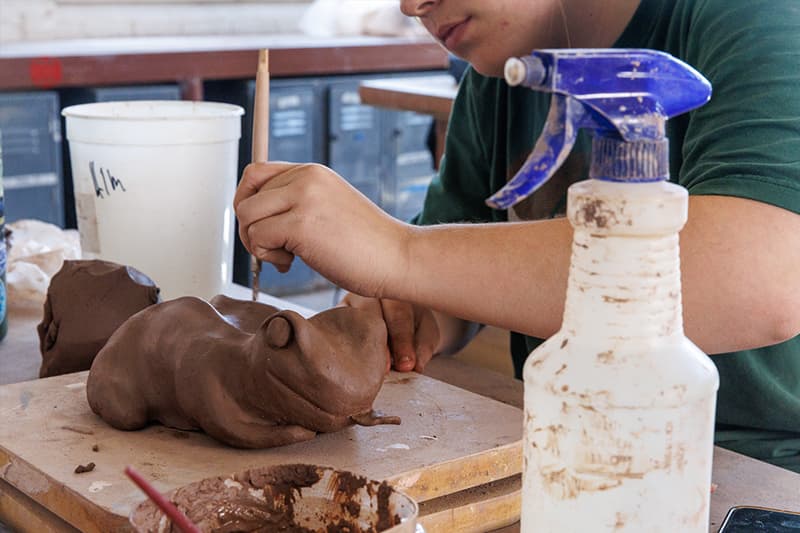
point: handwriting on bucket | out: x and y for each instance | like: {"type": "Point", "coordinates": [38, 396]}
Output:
{"type": "Point", "coordinates": [104, 182]}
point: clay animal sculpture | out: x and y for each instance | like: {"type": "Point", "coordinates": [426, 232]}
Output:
{"type": "Point", "coordinates": [87, 300]}
{"type": "Point", "coordinates": [256, 377]}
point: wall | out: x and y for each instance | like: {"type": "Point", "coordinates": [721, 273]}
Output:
{"type": "Point", "coordinates": [37, 20]}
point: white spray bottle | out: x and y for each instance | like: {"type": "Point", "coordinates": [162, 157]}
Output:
{"type": "Point", "coordinates": [619, 404]}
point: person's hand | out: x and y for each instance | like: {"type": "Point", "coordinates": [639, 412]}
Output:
{"type": "Point", "coordinates": [413, 331]}
{"type": "Point", "coordinates": [287, 209]}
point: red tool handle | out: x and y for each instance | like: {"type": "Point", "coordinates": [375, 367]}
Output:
{"type": "Point", "coordinates": [174, 514]}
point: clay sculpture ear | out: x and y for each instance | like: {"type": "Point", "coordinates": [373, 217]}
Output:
{"type": "Point", "coordinates": [279, 332]}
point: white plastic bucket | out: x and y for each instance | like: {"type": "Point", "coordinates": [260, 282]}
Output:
{"type": "Point", "coordinates": [154, 184]}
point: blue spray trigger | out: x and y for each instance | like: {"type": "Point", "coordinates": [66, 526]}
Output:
{"type": "Point", "coordinates": [625, 94]}
{"type": "Point", "coordinates": [565, 118]}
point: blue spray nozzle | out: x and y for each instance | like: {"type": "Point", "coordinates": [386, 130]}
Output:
{"type": "Point", "coordinates": [625, 95]}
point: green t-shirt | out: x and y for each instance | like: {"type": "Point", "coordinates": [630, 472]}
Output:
{"type": "Point", "coordinates": [745, 142]}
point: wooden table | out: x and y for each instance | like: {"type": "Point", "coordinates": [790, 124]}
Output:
{"type": "Point", "coordinates": [740, 480]}
{"type": "Point", "coordinates": [34, 496]}
{"type": "Point", "coordinates": [429, 95]}
{"type": "Point", "coordinates": [189, 61]}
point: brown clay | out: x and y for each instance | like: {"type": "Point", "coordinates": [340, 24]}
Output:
{"type": "Point", "coordinates": [82, 469]}
{"type": "Point", "coordinates": [268, 500]}
{"type": "Point", "coordinates": [245, 373]}
{"type": "Point", "coordinates": [86, 302]}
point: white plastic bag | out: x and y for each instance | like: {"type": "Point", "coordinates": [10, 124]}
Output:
{"type": "Point", "coordinates": [36, 251]}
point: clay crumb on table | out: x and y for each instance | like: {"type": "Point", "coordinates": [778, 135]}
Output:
{"type": "Point", "coordinates": [80, 469]}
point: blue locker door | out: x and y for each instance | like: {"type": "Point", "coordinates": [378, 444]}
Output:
{"type": "Point", "coordinates": [148, 92]}
{"type": "Point", "coordinates": [354, 143]}
{"type": "Point", "coordinates": [31, 137]}
{"type": "Point", "coordinates": [409, 162]}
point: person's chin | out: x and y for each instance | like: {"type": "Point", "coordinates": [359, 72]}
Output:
{"type": "Point", "coordinates": [483, 65]}
{"type": "Point", "coordinates": [487, 68]}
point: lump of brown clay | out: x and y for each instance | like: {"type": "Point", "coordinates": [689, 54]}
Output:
{"type": "Point", "coordinates": [243, 372]}
{"type": "Point", "coordinates": [86, 302]}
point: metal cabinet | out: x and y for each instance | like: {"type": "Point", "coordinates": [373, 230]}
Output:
{"type": "Point", "coordinates": [383, 153]}
{"type": "Point", "coordinates": [354, 139]}
{"type": "Point", "coordinates": [408, 162]}
{"type": "Point", "coordinates": [31, 148]}
{"type": "Point", "coordinates": [296, 117]}
{"type": "Point", "coordinates": [296, 126]}
{"type": "Point", "coordinates": [120, 94]}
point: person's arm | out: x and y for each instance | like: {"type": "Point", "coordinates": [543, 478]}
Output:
{"type": "Point", "coordinates": [738, 257]}
{"type": "Point", "coordinates": [739, 261]}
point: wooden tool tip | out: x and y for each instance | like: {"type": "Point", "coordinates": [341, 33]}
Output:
{"type": "Point", "coordinates": [263, 60]}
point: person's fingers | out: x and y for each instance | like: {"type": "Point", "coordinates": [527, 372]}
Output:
{"type": "Point", "coordinates": [399, 318]}
{"type": "Point", "coordinates": [298, 207]}
{"type": "Point", "coordinates": [257, 208]}
{"type": "Point", "coordinates": [426, 338]}
{"type": "Point", "coordinates": [371, 305]}
{"type": "Point", "coordinates": [351, 299]}
{"type": "Point", "coordinates": [255, 175]}
{"type": "Point", "coordinates": [280, 259]}
{"type": "Point", "coordinates": [346, 301]}
{"type": "Point", "coordinates": [269, 239]}
{"type": "Point", "coordinates": [273, 197]}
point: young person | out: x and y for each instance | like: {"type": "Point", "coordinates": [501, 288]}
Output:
{"type": "Point", "coordinates": [738, 156]}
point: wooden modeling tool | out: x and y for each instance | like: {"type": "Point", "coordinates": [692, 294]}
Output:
{"type": "Point", "coordinates": [174, 514]}
{"type": "Point", "coordinates": [260, 140]}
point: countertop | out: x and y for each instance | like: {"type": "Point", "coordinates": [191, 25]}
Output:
{"type": "Point", "coordinates": [189, 60]}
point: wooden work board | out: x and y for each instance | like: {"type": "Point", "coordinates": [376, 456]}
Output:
{"type": "Point", "coordinates": [450, 440]}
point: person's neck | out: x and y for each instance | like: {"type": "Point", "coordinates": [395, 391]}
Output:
{"type": "Point", "coordinates": [596, 24]}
